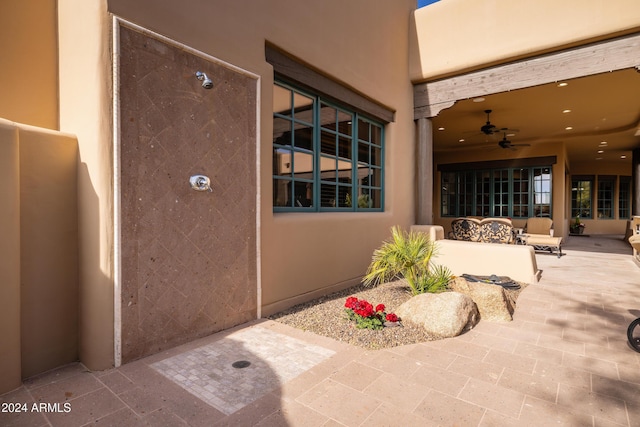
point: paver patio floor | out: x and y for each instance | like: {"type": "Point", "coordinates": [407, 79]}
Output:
{"type": "Point", "coordinates": [564, 360]}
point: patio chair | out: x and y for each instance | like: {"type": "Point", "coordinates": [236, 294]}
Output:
{"type": "Point", "coordinates": [496, 230]}
{"type": "Point", "coordinates": [539, 234]}
{"type": "Point", "coordinates": [467, 229]}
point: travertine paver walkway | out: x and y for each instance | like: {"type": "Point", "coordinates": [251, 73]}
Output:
{"type": "Point", "coordinates": [564, 360]}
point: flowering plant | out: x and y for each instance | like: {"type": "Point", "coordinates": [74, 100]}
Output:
{"type": "Point", "coordinates": [366, 316]}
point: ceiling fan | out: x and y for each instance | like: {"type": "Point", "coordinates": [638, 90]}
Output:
{"type": "Point", "coordinates": [491, 129]}
{"type": "Point", "coordinates": [505, 143]}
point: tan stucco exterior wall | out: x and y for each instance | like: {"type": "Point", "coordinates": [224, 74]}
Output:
{"type": "Point", "coordinates": [364, 44]}
{"type": "Point", "coordinates": [455, 36]}
{"type": "Point", "coordinates": [29, 67]}
{"type": "Point", "coordinates": [85, 109]}
{"type": "Point", "coordinates": [38, 252]}
{"type": "Point", "coordinates": [10, 368]}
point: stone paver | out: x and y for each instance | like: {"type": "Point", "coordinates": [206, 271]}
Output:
{"type": "Point", "coordinates": [563, 361]}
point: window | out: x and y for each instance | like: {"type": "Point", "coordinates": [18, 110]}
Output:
{"type": "Point", "coordinates": [606, 185]}
{"type": "Point", "coordinates": [499, 192]}
{"type": "Point", "coordinates": [581, 196]}
{"type": "Point", "coordinates": [624, 198]}
{"type": "Point", "coordinates": [326, 157]}
{"type": "Point", "coordinates": [542, 191]}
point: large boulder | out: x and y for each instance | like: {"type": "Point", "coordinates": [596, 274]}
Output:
{"type": "Point", "coordinates": [444, 315]}
{"type": "Point", "coordinates": [494, 302]}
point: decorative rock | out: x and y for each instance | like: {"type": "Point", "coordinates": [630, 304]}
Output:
{"type": "Point", "coordinates": [492, 300]}
{"type": "Point", "coordinates": [447, 314]}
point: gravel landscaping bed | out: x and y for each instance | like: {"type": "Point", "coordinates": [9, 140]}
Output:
{"type": "Point", "coordinates": [326, 316]}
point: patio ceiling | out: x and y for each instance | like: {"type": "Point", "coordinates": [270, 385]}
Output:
{"type": "Point", "coordinates": [603, 108]}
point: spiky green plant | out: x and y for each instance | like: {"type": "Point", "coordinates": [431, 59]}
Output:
{"type": "Point", "coordinates": [408, 255]}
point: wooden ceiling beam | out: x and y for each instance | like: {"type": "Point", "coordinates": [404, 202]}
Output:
{"type": "Point", "coordinates": [611, 55]}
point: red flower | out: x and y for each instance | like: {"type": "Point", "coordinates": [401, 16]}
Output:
{"type": "Point", "coordinates": [379, 307]}
{"type": "Point", "coordinates": [363, 308]}
{"type": "Point", "coordinates": [391, 317]}
{"type": "Point", "coordinates": [351, 302]}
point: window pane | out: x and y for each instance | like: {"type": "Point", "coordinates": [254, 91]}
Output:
{"type": "Point", "coordinates": [345, 123]}
{"type": "Point", "coordinates": [542, 184]}
{"type": "Point", "coordinates": [328, 143]}
{"type": "Point", "coordinates": [345, 147]}
{"type": "Point", "coordinates": [328, 117]}
{"type": "Point", "coordinates": [287, 193]}
{"type": "Point", "coordinates": [521, 193]}
{"type": "Point", "coordinates": [328, 196]}
{"type": "Point", "coordinates": [624, 198]}
{"type": "Point", "coordinates": [364, 133]}
{"type": "Point", "coordinates": [303, 107]}
{"type": "Point", "coordinates": [370, 199]}
{"type": "Point", "coordinates": [501, 192]}
{"type": "Point", "coordinates": [282, 131]}
{"type": "Point", "coordinates": [302, 165]}
{"type": "Point", "coordinates": [364, 154]}
{"type": "Point", "coordinates": [281, 192]}
{"type": "Point", "coordinates": [303, 138]}
{"type": "Point", "coordinates": [448, 194]}
{"type": "Point", "coordinates": [282, 160]}
{"type": "Point", "coordinates": [344, 196]}
{"type": "Point", "coordinates": [376, 135]}
{"type": "Point", "coordinates": [581, 198]}
{"type": "Point", "coordinates": [605, 197]}
{"type": "Point", "coordinates": [281, 100]}
{"type": "Point", "coordinates": [482, 195]}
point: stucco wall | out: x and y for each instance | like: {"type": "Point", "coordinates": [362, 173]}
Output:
{"type": "Point", "coordinates": [363, 44]}
{"type": "Point", "coordinates": [38, 252]}
{"type": "Point", "coordinates": [460, 35]}
{"type": "Point", "coordinates": [10, 368]}
{"type": "Point", "coordinates": [85, 109]}
{"type": "Point", "coordinates": [29, 71]}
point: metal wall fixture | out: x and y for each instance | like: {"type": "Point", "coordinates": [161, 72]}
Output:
{"type": "Point", "coordinates": [200, 183]}
{"type": "Point", "coordinates": [207, 83]}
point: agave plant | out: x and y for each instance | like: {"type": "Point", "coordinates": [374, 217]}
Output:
{"type": "Point", "coordinates": [408, 255]}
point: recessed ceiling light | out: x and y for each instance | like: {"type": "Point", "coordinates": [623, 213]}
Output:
{"type": "Point", "coordinates": [566, 111]}
{"type": "Point", "coordinates": [563, 84]}
{"type": "Point", "coordinates": [600, 151]}
{"type": "Point", "coordinates": [440, 128]}
{"type": "Point", "coordinates": [603, 143]}
{"type": "Point", "coordinates": [623, 157]}
{"type": "Point", "coordinates": [480, 99]}
{"type": "Point", "coordinates": [569, 128]}
{"type": "Point", "coordinates": [461, 140]}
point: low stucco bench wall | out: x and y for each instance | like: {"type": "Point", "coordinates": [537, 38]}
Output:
{"type": "Point", "coordinates": [483, 259]}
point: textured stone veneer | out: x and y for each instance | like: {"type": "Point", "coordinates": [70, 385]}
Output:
{"type": "Point", "coordinates": [188, 257]}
